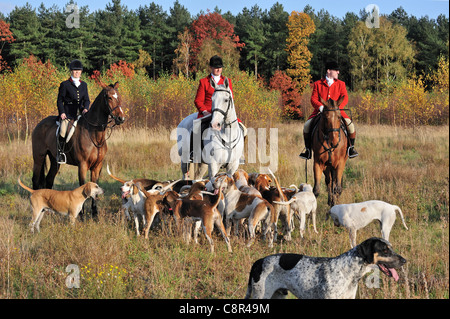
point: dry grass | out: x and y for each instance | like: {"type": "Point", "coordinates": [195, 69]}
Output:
{"type": "Point", "coordinates": [403, 166]}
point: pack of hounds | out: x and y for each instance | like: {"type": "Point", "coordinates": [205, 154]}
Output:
{"type": "Point", "coordinates": [251, 204]}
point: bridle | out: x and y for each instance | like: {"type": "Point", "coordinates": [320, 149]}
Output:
{"type": "Point", "coordinates": [230, 104]}
{"type": "Point", "coordinates": [325, 134]}
{"type": "Point", "coordinates": [104, 126]}
{"type": "Point", "coordinates": [227, 144]}
{"type": "Point", "coordinates": [331, 130]}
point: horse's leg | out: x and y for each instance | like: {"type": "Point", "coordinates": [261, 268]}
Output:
{"type": "Point", "coordinates": [339, 178]}
{"type": "Point", "coordinates": [329, 183]}
{"type": "Point", "coordinates": [318, 170]}
{"type": "Point", "coordinates": [82, 170]}
{"type": "Point", "coordinates": [54, 168]}
{"type": "Point", "coordinates": [95, 175]}
{"type": "Point", "coordinates": [38, 172]}
{"type": "Point", "coordinates": [213, 169]}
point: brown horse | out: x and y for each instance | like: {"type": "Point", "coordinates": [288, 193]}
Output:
{"type": "Point", "coordinates": [329, 144]}
{"type": "Point", "coordinates": [87, 147]}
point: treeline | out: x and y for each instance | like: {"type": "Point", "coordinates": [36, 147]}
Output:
{"type": "Point", "coordinates": [254, 40]}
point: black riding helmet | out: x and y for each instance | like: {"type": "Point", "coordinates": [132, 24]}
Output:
{"type": "Point", "coordinates": [75, 65]}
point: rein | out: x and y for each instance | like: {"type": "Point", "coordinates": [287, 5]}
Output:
{"type": "Point", "coordinates": [325, 137]}
{"type": "Point", "coordinates": [102, 126]}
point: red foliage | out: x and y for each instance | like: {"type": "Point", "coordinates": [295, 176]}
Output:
{"type": "Point", "coordinates": [212, 26]}
{"type": "Point", "coordinates": [6, 36]}
{"type": "Point", "coordinates": [39, 70]}
{"type": "Point", "coordinates": [121, 68]}
{"type": "Point", "coordinates": [290, 96]}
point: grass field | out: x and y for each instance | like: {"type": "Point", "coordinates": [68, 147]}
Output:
{"type": "Point", "coordinates": [406, 167]}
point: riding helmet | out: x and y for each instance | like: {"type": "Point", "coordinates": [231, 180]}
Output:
{"type": "Point", "coordinates": [332, 65]}
{"type": "Point", "coordinates": [216, 62]}
{"type": "Point", "coordinates": [75, 65]}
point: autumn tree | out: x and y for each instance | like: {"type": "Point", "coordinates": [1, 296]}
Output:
{"type": "Point", "coordinates": [183, 51]}
{"type": "Point", "coordinates": [6, 36]}
{"type": "Point", "coordinates": [379, 56]}
{"type": "Point", "coordinates": [300, 27]}
{"type": "Point", "coordinates": [289, 94]}
{"type": "Point", "coordinates": [220, 33]}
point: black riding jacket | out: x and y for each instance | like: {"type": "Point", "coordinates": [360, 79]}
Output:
{"type": "Point", "coordinates": [72, 98]}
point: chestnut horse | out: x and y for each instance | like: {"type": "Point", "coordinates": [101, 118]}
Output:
{"type": "Point", "coordinates": [87, 147]}
{"type": "Point", "coordinates": [329, 144]}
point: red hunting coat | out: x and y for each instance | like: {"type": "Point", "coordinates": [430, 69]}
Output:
{"type": "Point", "coordinates": [335, 91]}
{"type": "Point", "coordinates": [203, 101]}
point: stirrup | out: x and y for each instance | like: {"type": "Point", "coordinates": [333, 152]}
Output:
{"type": "Point", "coordinates": [61, 158]}
{"type": "Point", "coordinates": [306, 154]}
{"type": "Point", "coordinates": [353, 154]}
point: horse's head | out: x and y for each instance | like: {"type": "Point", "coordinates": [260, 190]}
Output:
{"type": "Point", "coordinates": [222, 102]}
{"type": "Point", "coordinates": [331, 111]}
{"type": "Point", "coordinates": [114, 102]}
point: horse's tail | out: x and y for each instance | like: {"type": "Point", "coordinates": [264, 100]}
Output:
{"type": "Point", "coordinates": [401, 215]}
{"type": "Point", "coordinates": [25, 187]}
{"type": "Point", "coordinates": [114, 177]}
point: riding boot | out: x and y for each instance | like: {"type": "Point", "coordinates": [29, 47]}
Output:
{"type": "Point", "coordinates": [61, 156]}
{"type": "Point", "coordinates": [351, 150]}
{"type": "Point", "coordinates": [307, 153]}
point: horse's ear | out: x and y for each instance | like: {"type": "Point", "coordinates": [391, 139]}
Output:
{"type": "Point", "coordinates": [212, 82]}
{"type": "Point", "coordinates": [227, 83]}
{"type": "Point", "coordinates": [116, 85]}
{"type": "Point", "coordinates": [341, 99]}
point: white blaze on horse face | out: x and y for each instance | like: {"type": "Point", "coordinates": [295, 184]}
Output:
{"type": "Point", "coordinates": [115, 95]}
{"type": "Point", "coordinates": [217, 118]}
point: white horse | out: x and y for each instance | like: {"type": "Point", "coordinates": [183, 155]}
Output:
{"type": "Point", "coordinates": [223, 141]}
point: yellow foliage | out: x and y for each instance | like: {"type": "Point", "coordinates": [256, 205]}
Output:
{"type": "Point", "coordinates": [300, 27]}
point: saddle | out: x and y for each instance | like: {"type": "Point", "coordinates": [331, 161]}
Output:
{"type": "Point", "coordinates": [71, 130]}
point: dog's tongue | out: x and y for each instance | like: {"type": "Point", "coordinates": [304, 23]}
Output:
{"type": "Point", "coordinates": [394, 274]}
{"type": "Point", "coordinates": [124, 195]}
{"type": "Point", "coordinates": [216, 191]}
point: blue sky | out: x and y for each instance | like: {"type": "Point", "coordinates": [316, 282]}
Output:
{"type": "Point", "coordinates": [337, 8]}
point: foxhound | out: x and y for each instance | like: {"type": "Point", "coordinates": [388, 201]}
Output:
{"type": "Point", "coordinates": [358, 215]}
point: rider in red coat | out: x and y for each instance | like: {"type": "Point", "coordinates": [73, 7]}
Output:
{"type": "Point", "coordinates": [203, 101]}
{"type": "Point", "coordinates": [329, 88]}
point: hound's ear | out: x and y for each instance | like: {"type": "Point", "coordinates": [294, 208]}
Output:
{"type": "Point", "coordinates": [341, 99]}
{"type": "Point", "coordinates": [116, 85]}
{"type": "Point", "coordinates": [366, 250]}
{"type": "Point", "coordinates": [134, 189]}
{"type": "Point", "coordinates": [227, 83]}
{"type": "Point", "coordinates": [87, 190]}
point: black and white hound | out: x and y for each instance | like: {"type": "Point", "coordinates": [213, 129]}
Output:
{"type": "Point", "coordinates": [321, 277]}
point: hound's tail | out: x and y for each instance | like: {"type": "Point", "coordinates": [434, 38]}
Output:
{"type": "Point", "coordinates": [114, 177]}
{"type": "Point", "coordinates": [25, 187]}
{"type": "Point", "coordinates": [401, 215]}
